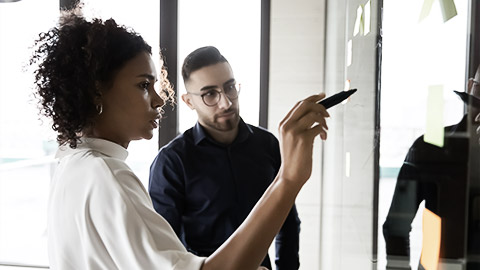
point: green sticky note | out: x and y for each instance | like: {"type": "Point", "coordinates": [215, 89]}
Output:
{"type": "Point", "coordinates": [358, 20]}
{"type": "Point", "coordinates": [448, 9]}
{"type": "Point", "coordinates": [362, 22]}
{"type": "Point", "coordinates": [367, 19]}
{"type": "Point", "coordinates": [434, 127]}
{"type": "Point", "coordinates": [427, 6]}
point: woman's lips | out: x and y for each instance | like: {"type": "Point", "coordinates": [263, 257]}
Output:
{"type": "Point", "coordinates": [154, 123]}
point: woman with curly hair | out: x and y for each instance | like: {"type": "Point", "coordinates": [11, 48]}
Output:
{"type": "Point", "coordinates": [95, 80]}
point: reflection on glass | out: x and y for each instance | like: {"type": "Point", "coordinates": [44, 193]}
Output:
{"type": "Point", "coordinates": [438, 176]}
{"type": "Point", "coordinates": [414, 173]}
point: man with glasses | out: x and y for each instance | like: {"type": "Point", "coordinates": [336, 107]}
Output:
{"type": "Point", "coordinates": [207, 180]}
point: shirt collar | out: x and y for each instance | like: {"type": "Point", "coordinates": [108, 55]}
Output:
{"type": "Point", "coordinates": [199, 133]}
{"type": "Point", "coordinates": [244, 131]}
{"type": "Point", "coordinates": [105, 147]}
{"type": "Point", "coordinates": [458, 128]}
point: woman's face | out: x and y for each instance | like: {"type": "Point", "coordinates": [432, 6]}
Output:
{"type": "Point", "coordinates": [131, 106]}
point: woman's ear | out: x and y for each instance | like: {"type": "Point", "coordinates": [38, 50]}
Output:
{"type": "Point", "coordinates": [188, 100]}
{"type": "Point", "coordinates": [98, 95]}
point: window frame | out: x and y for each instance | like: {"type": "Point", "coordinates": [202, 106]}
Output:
{"type": "Point", "coordinates": [169, 44]}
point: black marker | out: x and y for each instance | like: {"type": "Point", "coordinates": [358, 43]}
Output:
{"type": "Point", "coordinates": [337, 98]}
{"type": "Point", "coordinates": [468, 99]}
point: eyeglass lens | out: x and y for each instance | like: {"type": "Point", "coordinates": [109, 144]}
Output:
{"type": "Point", "coordinates": [213, 97]}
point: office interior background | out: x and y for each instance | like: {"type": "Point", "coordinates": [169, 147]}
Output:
{"type": "Point", "coordinates": [393, 52]}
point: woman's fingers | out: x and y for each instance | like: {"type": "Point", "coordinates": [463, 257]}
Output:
{"type": "Point", "coordinates": [318, 130]}
{"type": "Point", "coordinates": [306, 114]}
{"type": "Point", "coordinates": [298, 130]}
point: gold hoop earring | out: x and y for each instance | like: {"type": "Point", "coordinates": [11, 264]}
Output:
{"type": "Point", "coordinates": [99, 108]}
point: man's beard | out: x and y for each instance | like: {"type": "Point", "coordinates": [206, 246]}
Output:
{"type": "Point", "coordinates": [226, 125]}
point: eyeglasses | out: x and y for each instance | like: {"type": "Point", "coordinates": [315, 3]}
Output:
{"type": "Point", "coordinates": [213, 96]}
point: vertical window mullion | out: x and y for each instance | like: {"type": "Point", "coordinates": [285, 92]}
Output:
{"type": "Point", "coordinates": [168, 44]}
{"type": "Point", "coordinates": [264, 63]}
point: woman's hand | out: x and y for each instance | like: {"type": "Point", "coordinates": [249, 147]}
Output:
{"type": "Point", "coordinates": [247, 246]}
{"type": "Point", "coordinates": [297, 132]}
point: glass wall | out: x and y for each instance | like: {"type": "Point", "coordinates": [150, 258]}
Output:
{"type": "Point", "coordinates": [401, 162]}
{"type": "Point", "coordinates": [424, 60]}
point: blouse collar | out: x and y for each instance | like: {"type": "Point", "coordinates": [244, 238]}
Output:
{"type": "Point", "coordinates": [105, 147]}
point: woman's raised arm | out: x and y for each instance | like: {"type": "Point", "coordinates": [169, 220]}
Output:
{"type": "Point", "coordinates": [246, 248]}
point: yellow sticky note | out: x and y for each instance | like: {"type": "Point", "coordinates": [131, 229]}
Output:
{"type": "Point", "coordinates": [362, 23]}
{"type": "Point", "coordinates": [427, 6]}
{"type": "Point", "coordinates": [432, 234]}
{"type": "Point", "coordinates": [434, 127]}
{"type": "Point", "coordinates": [448, 9]}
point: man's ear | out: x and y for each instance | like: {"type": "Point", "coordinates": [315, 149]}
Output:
{"type": "Point", "coordinates": [188, 100]}
{"type": "Point", "coordinates": [470, 86]}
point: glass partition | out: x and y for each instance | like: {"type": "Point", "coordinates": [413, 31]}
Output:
{"type": "Point", "coordinates": [402, 167]}
{"type": "Point", "coordinates": [424, 61]}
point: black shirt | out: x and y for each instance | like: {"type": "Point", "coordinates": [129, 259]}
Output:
{"type": "Point", "coordinates": [205, 189]}
{"type": "Point", "coordinates": [438, 176]}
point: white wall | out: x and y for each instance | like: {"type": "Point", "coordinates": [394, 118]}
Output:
{"type": "Point", "coordinates": [308, 55]}
{"type": "Point", "coordinates": [296, 71]}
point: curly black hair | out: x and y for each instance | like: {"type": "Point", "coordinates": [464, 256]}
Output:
{"type": "Point", "coordinates": [76, 57]}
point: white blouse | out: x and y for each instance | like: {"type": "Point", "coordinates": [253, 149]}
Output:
{"type": "Point", "coordinates": [101, 217]}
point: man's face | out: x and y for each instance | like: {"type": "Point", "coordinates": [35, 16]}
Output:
{"type": "Point", "coordinates": [210, 80]}
{"type": "Point", "coordinates": [474, 90]}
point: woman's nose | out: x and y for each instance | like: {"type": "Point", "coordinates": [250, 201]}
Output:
{"type": "Point", "coordinates": [157, 101]}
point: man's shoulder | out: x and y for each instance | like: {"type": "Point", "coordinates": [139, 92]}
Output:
{"type": "Point", "coordinates": [179, 143]}
{"type": "Point", "coordinates": [260, 135]}
{"type": "Point", "coordinates": [260, 131]}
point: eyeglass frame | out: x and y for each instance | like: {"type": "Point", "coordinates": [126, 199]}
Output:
{"type": "Point", "coordinates": [219, 93]}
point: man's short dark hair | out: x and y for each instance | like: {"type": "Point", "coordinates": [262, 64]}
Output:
{"type": "Point", "coordinates": [201, 57]}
